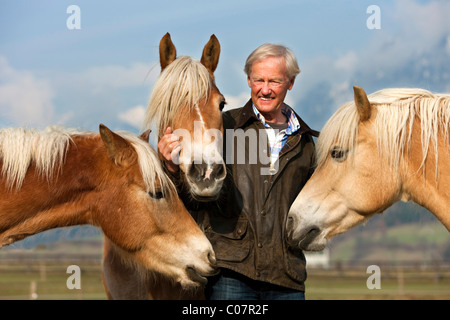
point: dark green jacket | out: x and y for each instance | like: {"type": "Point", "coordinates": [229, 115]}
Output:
{"type": "Point", "coordinates": [247, 225]}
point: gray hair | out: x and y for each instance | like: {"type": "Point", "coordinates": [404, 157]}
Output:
{"type": "Point", "coordinates": [273, 50]}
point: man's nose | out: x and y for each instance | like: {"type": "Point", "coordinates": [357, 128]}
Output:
{"type": "Point", "coordinates": [265, 88]}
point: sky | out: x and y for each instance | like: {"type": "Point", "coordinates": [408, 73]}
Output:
{"type": "Point", "coordinates": [104, 71]}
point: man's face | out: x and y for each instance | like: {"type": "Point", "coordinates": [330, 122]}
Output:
{"type": "Point", "coordinates": [269, 84]}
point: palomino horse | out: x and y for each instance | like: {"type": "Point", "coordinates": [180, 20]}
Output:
{"type": "Point", "coordinates": [186, 99]}
{"type": "Point", "coordinates": [57, 178]}
{"type": "Point", "coordinates": [393, 145]}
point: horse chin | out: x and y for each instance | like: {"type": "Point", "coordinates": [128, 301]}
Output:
{"type": "Point", "coordinates": [196, 279]}
{"type": "Point", "coordinates": [204, 198]}
{"type": "Point", "coordinates": [317, 245]}
{"type": "Point", "coordinates": [205, 194]}
{"type": "Point", "coordinates": [309, 239]}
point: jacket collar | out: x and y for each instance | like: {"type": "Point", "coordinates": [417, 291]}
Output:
{"type": "Point", "coordinates": [246, 115]}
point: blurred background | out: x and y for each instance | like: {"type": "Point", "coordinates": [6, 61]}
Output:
{"type": "Point", "coordinates": [55, 69]}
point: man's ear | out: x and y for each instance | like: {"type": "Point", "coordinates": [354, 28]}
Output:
{"type": "Point", "coordinates": [119, 150]}
{"type": "Point", "coordinates": [291, 83]}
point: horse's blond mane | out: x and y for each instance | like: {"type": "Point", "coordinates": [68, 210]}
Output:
{"type": "Point", "coordinates": [397, 110]}
{"type": "Point", "coordinates": [179, 88]}
{"type": "Point", "coordinates": [20, 147]}
{"type": "Point", "coordinates": [47, 149]}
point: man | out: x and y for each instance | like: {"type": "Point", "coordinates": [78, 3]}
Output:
{"type": "Point", "coordinates": [247, 226]}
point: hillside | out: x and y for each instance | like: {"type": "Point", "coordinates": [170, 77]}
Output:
{"type": "Point", "coordinates": [49, 237]}
{"type": "Point", "coordinates": [404, 233]}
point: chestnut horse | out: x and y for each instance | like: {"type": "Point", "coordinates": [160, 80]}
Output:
{"type": "Point", "coordinates": [392, 145]}
{"type": "Point", "coordinates": [59, 177]}
{"type": "Point", "coordinates": [186, 99]}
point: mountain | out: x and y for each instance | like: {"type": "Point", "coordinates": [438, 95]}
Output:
{"type": "Point", "coordinates": [56, 235]}
{"type": "Point", "coordinates": [406, 232]}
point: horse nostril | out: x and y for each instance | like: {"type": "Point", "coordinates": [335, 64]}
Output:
{"type": "Point", "coordinates": [313, 231]}
{"type": "Point", "coordinates": [220, 171]}
{"type": "Point", "coordinates": [290, 223]}
{"type": "Point", "coordinates": [196, 172]}
{"type": "Point", "coordinates": [309, 236]}
{"type": "Point", "coordinates": [212, 258]}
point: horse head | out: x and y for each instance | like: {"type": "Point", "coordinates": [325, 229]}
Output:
{"type": "Point", "coordinates": [374, 151]}
{"type": "Point", "coordinates": [146, 220]}
{"type": "Point", "coordinates": [186, 98]}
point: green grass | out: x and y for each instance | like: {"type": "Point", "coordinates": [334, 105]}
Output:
{"type": "Point", "coordinates": [49, 281]}
{"type": "Point", "coordinates": [395, 284]}
{"type": "Point", "coordinates": [330, 284]}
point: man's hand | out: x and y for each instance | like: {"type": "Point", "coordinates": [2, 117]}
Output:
{"type": "Point", "coordinates": [169, 146]}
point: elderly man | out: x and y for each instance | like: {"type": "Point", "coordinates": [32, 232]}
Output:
{"type": "Point", "coordinates": [247, 226]}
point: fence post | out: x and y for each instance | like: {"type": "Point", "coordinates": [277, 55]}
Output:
{"type": "Point", "coordinates": [400, 281]}
{"type": "Point", "coordinates": [33, 290]}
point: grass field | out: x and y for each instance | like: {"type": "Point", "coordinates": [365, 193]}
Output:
{"type": "Point", "coordinates": [412, 259]}
{"type": "Point", "coordinates": [47, 281]}
{"type": "Point", "coordinates": [396, 283]}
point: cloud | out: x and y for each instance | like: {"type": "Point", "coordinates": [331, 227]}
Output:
{"type": "Point", "coordinates": [110, 94]}
{"type": "Point", "coordinates": [412, 49]}
{"type": "Point", "coordinates": [65, 98]}
{"type": "Point", "coordinates": [134, 116]}
{"type": "Point", "coordinates": [116, 76]}
{"type": "Point", "coordinates": [237, 101]}
{"type": "Point", "coordinates": [25, 100]}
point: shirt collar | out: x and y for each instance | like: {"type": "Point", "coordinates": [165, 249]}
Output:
{"type": "Point", "coordinates": [293, 123]}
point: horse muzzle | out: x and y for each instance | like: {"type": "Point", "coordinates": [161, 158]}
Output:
{"type": "Point", "coordinates": [206, 180]}
{"type": "Point", "coordinates": [304, 237]}
{"type": "Point", "coordinates": [200, 277]}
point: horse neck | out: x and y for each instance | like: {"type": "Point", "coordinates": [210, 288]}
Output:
{"type": "Point", "coordinates": [427, 183]}
{"type": "Point", "coordinates": [42, 204]}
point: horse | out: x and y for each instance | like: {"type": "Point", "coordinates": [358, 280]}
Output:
{"type": "Point", "coordinates": [186, 99]}
{"type": "Point", "coordinates": [62, 177]}
{"type": "Point", "coordinates": [390, 146]}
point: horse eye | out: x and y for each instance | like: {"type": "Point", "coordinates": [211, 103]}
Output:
{"type": "Point", "coordinates": [156, 195]}
{"type": "Point", "coordinates": [222, 105]}
{"type": "Point", "coordinates": [338, 154]}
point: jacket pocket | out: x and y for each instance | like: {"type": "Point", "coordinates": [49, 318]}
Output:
{"type": "Point", "coordinates": [295, 265]}
{"type": "Point", "coordinates": [231, 246]}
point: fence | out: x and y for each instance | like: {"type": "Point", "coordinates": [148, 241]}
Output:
{"type": "Point", "coordinates": [44, 277]}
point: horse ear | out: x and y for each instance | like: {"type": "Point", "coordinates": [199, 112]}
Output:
{"type": "Point", "coordinates": [118, 149]}
{"type": "Point", "coordinates": [145, 135]}
{"type": "Point", "coordinates": [362, 103]}
{"type": "Point", "coordinates": [167, 51]}
{"type": "Point", "coordinates": [211, 52]}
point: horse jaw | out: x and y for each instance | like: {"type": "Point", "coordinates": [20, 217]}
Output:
{"type": "Point", "coordinates": [317, 216]}
{"type": "Point", "coordinates": [188, 264]}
